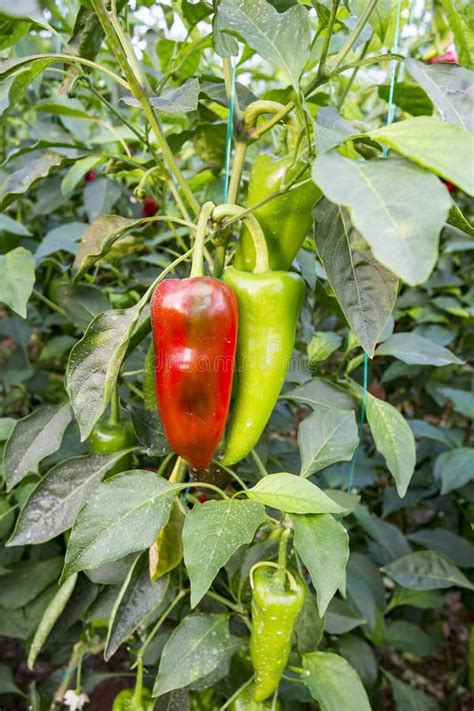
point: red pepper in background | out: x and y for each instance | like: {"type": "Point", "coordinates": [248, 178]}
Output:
{"type": "Point", "coordinates": [194, 325]}
{"type": "Point", "coordinates": [150, 207]}
{"type": "Point", "coordinates": [91, 175]}
{"type": "Point", "coordinates": [450, 57]}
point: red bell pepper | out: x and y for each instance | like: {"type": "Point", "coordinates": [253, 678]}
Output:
{"type": "Point", "coordinates": [450, 57]}
{"type": "Point", "coordinates": [194, 325]}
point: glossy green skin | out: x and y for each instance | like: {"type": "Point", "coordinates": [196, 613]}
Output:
{"type": "Point", "coordinates": [246, 702]}
{"type": "Point", "coordinates": [274, 614]}
{"type": "Point", "coordinates": [269, 307]}
{"type": "Point", "coordinates": [124, 701]}
{"type": "Point", "coordinates": [286, 220]}
{"type": "Point", "coordinates": [107, 439]}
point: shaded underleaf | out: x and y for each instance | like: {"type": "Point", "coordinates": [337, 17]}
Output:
{"type": "Point", "coordinates": [359, 654]}
{"type": "Point", "coordinates": [24, 178]}
{"type": "Point", "coordinates": [20, 588]}
{"type": "Point", "coordinates": [138, 598]}
{"type": "Point", "coordinates": [394, 439]}
{"type": "Point", "coordinates": [323, 545]}
{"type": "Point", "coordinates": [325, 437]}
{"type": "Point", "coordinates": [317, 392]}
{"type": "Point", "coordinates": [13, 227]}
{"type": "Point", "coordinates": [341, 618]}
{"type": "Point", "coordinates": [94, 364]}
{"type": "Point", "coordinates": [455, 547]}
{"type": "Point", "coordinates": [333, 683]}
{"type": "Point", "coordinates": [195, 649]}
{"type": "Point", "coordinates": [414, 349]}
{"type": "Point", "coordinates": [122, 516]}
{"type": "Point", "coordinates": [181, 99]}
{"type": "Point", "coordinates": [450, 87]}
{"type": "Point", "coordinates": [212, 533]}
{"type": "Point", "coordinates": [389, 538]}
{"type": "Point", "coordinates": [455, 468]}
{"type": "Point", "coordinates": [82, 303]}
{"type": "Point", "coordinates": [49, 619]}
{"type": "Point", "coordinates": [98, 239]}
{"type": "Point", "coordinates": [427, 570]}
{"type": "Point", "coordinates": [280, 38]}
{"type": "Point", "coordinates": [33, 438]}
{"type": "Point", "coordinates": [396, 206]}
{"type": "Point", "coordinates": [365, 289]}
{"type": "Point", "coordinates": [409, 699]}
{"type": "Point", "coordinates": [292, 494]}
{"type": "Point", "coordinates": [17, 277]}
{"type": "Point", "coordinates": [432, 144]}
{"type": "Point", "coordinates": [64, 237]}
{"type": "Point", "coordinates": [57, 499]}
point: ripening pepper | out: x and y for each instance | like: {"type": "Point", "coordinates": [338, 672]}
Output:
{"type": "Point", "coordinates": [275, 609]}
{"type": "Point", "coordinates": [449, 57]}
{"type": "Point", "coordinates": [285, 220]}
{"type": "Point", "coordinates": [269, 307]}
{"type": "Point", "coordinates": [194, 325]}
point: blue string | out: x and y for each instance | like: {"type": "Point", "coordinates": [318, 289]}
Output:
{"type": "Point", "coordinates": [230, 127]}
{"type": "Point", "coordinates": [390, 117]}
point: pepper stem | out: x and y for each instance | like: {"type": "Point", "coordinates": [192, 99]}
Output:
{"type": "Point", "coordinates": [280, 575]}
{"type": "Point", "coordinates": [262, 107]}
{"type": "Point", "coordinates": [256, 232]}
{"type": "Point", "coordinates": [197, 268]}
{"type": "Point", "coordinates": [114, 417]}
{"type": "Point", "coordinates": [137, 694]}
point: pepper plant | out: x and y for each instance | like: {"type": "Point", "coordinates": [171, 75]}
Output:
{"type": "Point", "coordinates": [288, 185]}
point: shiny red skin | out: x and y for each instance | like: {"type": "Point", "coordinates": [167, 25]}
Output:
{"type": "Point", "coordinates": [91, 175]}
{"type": "Point", "coordinates": [150, 207]}
{"type": "Point", "coordinates": [194, 324]}
{"type": "Point", "coordinates": [450, 57]}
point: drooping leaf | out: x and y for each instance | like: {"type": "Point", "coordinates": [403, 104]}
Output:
{"type": "Point", "coordinates": [98, 239]}
{"type": "Point", "coordinates": [24, 178]}
{"type": "Point", "coordinates": [94, 364]}
{"type": "Point", "coordinates": [427, 570]}
{"type": "Point", "coordinates": [122, 516]}
{"type": "Point", "coordinates": [292, 494]}
{"type": "Point", "coordinates": [325, 437]}
{"type": "Point", "coordinates": [414, 349]}
{"type": "Point", "coordinates": [407, 698]}
{"type": "Point", "coordinates": [444, 541]}
{"type": "Point", "coordinates": [195, 649]}
{"type": "Point", "coordinates": [182, 99]}
{"type": "Point", "coordinates": [333, 683]}
{"type": "Point", "coordinates": [57, 499]}
{"type": "Point", "coordinates": [212, 534]}
{"type": "Point", "coordinates": [397, 207]}
{"type": "Point", "coordinates": [17, 277]}
{"type": "Point", "coordinates": [365, 289]}
{"type": "Point", "coordinates": [450, 87]}
{"type": "Point", "coordinates": [323, 545]}
{"type": "Point", "coordinates": [280, 38]}
{"type": "Point", "coordinates": [394, 439]}
{"type": "Point", "coordinates": [317, 392]}
{"type": "Point", "coordinates": [32, 439]}
{"type": "Point", "coordinates": [455, 468]}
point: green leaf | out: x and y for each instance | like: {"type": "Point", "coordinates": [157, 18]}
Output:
{"type": "Point", "coordinates": [60, 238]}
{"type": "Point", "coordinates": [322, 345]}
{"type": "Point", "coordinates": [359, 654]}
{"type": "Point", "coordinates": [7, 682]}
{"type": "Point", "coordinates": [389, 538]}
{"type": "Point", "coordinates": [459, 14]}
{"type": "Point", "coordinates": [137, 599]}
{"type": "Point", "coordinates": [365, 290]}
{"type": "Point", "coordinates": [323, 545]}
{"type": "Point", "coordinates": [82, 303]}
{"type": "Point", "coordinates": [333, 683]}
{"type": "Point", "coordinates": [462, 401]}
{"type": "Point", "coordinates": [11, 31]}
{"type": "Point", "coordinates": [425, 599]}
{"type": "Point", "coordinates": [94, 364]}
{"type": "Point", "coordinates": [182, 99]}
{"type": "Point", "coordinates": [434, 145]}
{"type": "Point", "coordinates": [17, 277]}
{"type": "Point", "coordinates": [309, 628]}
{"type": "Point", "coordinates": [394, 439]}
{"type": "Point", "coordinates": [19, 587]}
{"type": "Point", "coordinates": [450, 87]}
{"type": "Point", "coordinates": [14, 87]}
{"type": "Point", "coordinates": [325, 437]}
{"type": "Point", "coordinates": [195, 649]}
{"type": "Point", "coordinates": [77, 172]}
{"type": "Point", "coordinates": [49, 619]}
{"type": "Point", "coordinates": [280, 38]}
{"type": "Point", "coordinates": [292, 494]}
{"type": "Point", "coordinates": [408, 97]}
{"type": "Point", "coordinates": [24, 178]}
{"type": "Point", "coordinates": [8, 224]}
{"type": "Point", "coordinates": [317, 392]}
{"type": "Point", "coordinates": [33, 438]}
{"type": "Point", "coordinates": [408, 637]}
{"type": "Point", "coordinates": [427, 570]}
{"type": "Point", "coordinates": [212, 533]}
{"type": "Point", "coordinates": [122, 516]}
{"type": "Point", "coordinates": [98, 239]}
{"type": "Point", "coordinates": [457, 219]}
{"type": "Point", "coordinates": [397, 207]}
{"type": "Point", "coordinates": [57, 499]}
{"type": "Point", "coordinates": [341, 618]}
{"type": "Point", "coordinates": [409, 699]}
{"type": "Point", "coordinates": [416, 350]}
{"type": "Point", "coordinates": [455, 468]}
{"type": "Point", "coordinates": [455, 547]}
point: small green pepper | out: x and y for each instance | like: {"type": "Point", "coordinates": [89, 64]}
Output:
{"type": "Point", "coordinates": [275, 608]}
{"type": "Point", "coordinates": [126, 701]}
{"type": "Point", "coordinates": [107, 437]}
{"type": "Point", "coordinates": [285, 220]}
